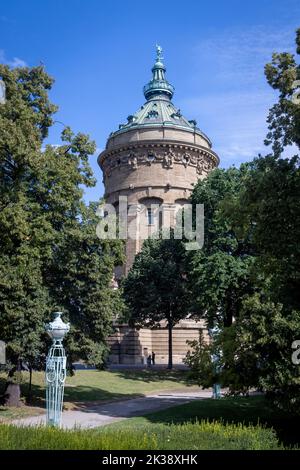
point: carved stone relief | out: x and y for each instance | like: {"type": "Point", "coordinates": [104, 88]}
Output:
{"type": "Point", "coordinates": [151, 158]}
{"type": "Point", "coordinates": [200, 163]}
{"type": "Point", "coordinates": [133, 161]}
{"type": "Point", "coordinates": [165, 155]}
{"type": "Point", "coordinates": [168, 159]}
{"type": "Point", "coordinates": [186, 159]}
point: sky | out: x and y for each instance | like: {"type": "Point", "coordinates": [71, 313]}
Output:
{"type": "Point", "coordinates": [101, 53]}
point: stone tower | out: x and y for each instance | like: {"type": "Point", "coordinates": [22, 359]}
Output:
{"type": "Point", "coordinates": [154, 159]}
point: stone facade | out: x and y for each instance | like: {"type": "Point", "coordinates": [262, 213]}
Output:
{"type": "Point", "coordinates": [154, 160]}
{"type": "Point", "coordinates": [130, 346]}
{"type": "Point", "coordinates": [154, 170]}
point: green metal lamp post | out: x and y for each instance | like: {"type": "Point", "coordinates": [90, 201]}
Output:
{"type": "Point", "coordinates": [216, 389]}
{"type": "Point", "coordinates": [56, 370]}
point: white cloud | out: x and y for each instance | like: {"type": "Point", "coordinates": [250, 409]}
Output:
{"type": "Point", "coordinates": [240, 54]}
{"type": "Point", "coordinates": [15, 62]}
{"type": "Point", "coordinates": [235, 97]}
{"type": "Point", "coordinates": [235, 121]}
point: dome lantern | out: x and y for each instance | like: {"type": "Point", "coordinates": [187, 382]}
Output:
{"type": "Point", "coordinates": [158, 86]}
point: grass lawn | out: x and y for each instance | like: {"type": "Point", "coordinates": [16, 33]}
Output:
{"type": "Point", "coordinates": [93, 385]}
{"type": "Point", "coordinates": [230, 423]}
{"type": "Point", "coordinates": [7, 414]}
{"type": "Point", "coordinates": [254, 410]}
{"type": "Point", "coordinates": [196, 436]}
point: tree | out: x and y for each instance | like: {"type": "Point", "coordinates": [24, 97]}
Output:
{"type": "Point", "coordinates": [50, 257]}
{"type": "Point", "coordinates": [264, 211]}
{"type": "Point", "coordinates": [24, 121]}
{"type": "Point", "coordinates": [219, 272]}
{"type": "Point", "coordinates": [199, 361]}
{"type": "Point", "coordinates": [267, 208]}
{"type": "Point", "coordinates": [283, 74]}
{"type": "Point", "coordinates": [263, 339]}
{"type": "Point", "coordinates": [79, 277]}
{"type": "Point", "coordinates": [156, 288]}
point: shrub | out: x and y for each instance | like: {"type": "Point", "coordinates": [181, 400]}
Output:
{"type": "Point", "coordinates": [198, 436]}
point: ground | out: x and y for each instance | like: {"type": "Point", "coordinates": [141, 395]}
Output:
{"type": "Point", "coordinates": [251, 410]}
{"type": "Point", "coordinates": [98, 386]}
{"type": "Point", "coordinates": [228, 423]}
{"type": "Point", "coordinates": [95, 414]}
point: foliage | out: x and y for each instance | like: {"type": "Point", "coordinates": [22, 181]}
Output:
{"type": "Point", "coordinates": [220, 272]}
{"type": "Point", "coordinates": [263, 213]}
{"type": "Point", "coordinates": [79, 277]}
{"type": "Point", "coordinates": [250, 410]}
{"type": "Point", "coordinates": [284, 117]}
{"type": "Point", "coordinates": [268, 210]}
{"type": "Point", "coordinates": [156, 288]}
{"type": "Point", "coordinates": [50, 256]}
{"type": "Point", "coordinates": [263, 339]}
{"type": "Point", "coordinates": [199, 361]}
{"type": "Point", "coordinates": [201, 435]}
{"type": "Point", "coordinates": [268, 207]}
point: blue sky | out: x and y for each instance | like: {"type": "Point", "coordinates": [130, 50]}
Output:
{"type": "Point", "coordinates": [101, 54]}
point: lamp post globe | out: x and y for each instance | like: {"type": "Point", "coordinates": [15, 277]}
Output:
{"type": "Point", "coordinates": [57, 329]}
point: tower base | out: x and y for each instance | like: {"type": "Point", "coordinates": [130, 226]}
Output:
{"type": "Point", "coordinates": [132, 346]}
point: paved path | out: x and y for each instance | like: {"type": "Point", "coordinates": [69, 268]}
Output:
{"type": "Point", "coordinates": [89, 416]}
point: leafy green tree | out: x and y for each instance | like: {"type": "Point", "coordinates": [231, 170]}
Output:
{"type": "Point", "coordinates": [263, 340]}
{"type": "Point", "coordinates": [219, 272]}
{"type": "Point", "coordinates": [50, 257]}
{"type": "Point", "coordinates": [264, 211]}
{"type": "Point", "coordinates": [283, 74]}
{"type": "Point", "coordinates": [199, 361]}
{"type": "Point", "coordinates": [24, 121]}
{"type": "Point", "coordinates": [156, 288]}
{"type": "Point", "coordinates": [79, 277]}
{"type": "Point", "coordinates": [267, 209]}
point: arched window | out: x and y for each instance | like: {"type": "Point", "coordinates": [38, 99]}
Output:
{"type": "Point", "coordinates": [150, 216]}
{"type": "Point", "coordinates": [150, 208]}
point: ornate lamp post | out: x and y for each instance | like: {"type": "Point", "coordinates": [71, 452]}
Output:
{"type": "Point", "coordinates": [216, 391]}
{"type": "Point", "coordinates": [56, 369]}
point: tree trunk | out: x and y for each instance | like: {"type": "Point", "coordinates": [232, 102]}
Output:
{"type": "Point", "coordinates": [12, 395]}
{"type": "Point", "coordinates": [228, 319]}
{"type": "Point", "coordinates": [228, 312]}
{"type": "Point", "coordinates": [170, 331]}
{"type": "Point", "coordinates": [12, 392]}
{"type": "Point", "coordinates": [30, 385]}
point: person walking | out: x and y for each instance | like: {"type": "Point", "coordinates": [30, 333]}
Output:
{"type": "Point", "coordinates": [149, 360]}
{"type": "Point", "coordinates": [153, 358]}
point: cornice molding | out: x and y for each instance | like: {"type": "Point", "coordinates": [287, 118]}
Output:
{"type": "Point", "coordinates": [186, 192]}
{"type": "Point", "coordinates": [167, 154]}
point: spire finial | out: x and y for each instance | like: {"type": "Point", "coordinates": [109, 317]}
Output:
{"type": "Point", "coordinates": [158, 86]}
{"type": "Point", "coordinates": [159, 56]}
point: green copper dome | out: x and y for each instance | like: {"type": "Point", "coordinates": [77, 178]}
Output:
{"type": "Point", "coordinates": [159, 110]}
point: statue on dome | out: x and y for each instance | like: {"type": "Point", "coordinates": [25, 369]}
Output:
{"type": "Point", "coordinates": [159, 50]}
